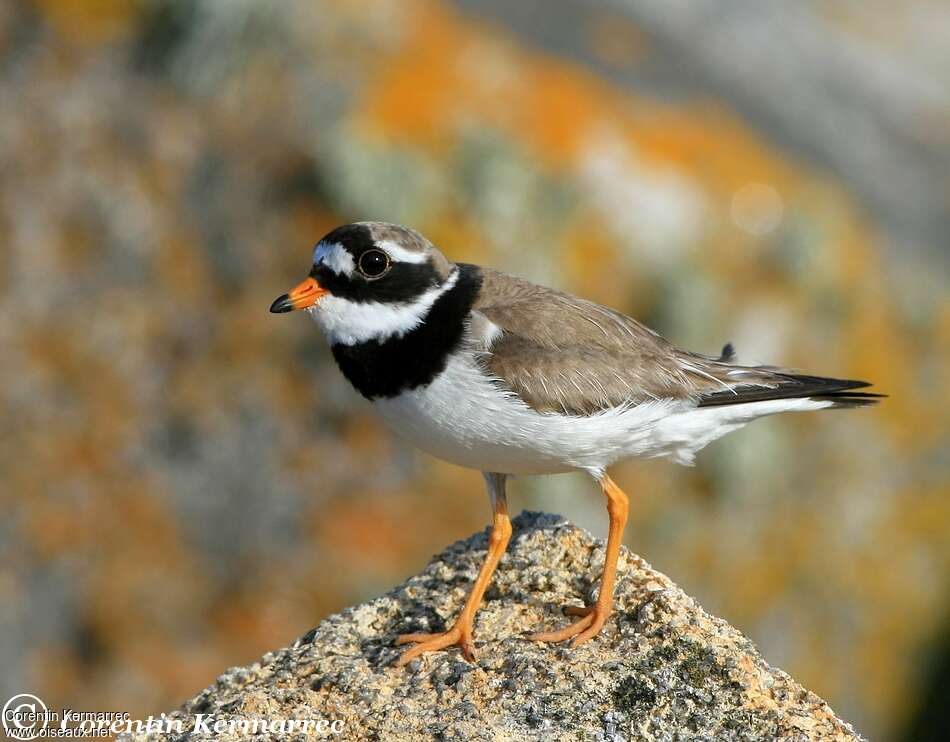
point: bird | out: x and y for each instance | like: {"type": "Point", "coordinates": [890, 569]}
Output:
{"type": "Point", "coordinates": [495, 373]}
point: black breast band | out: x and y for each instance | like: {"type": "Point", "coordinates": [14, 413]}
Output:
{"type": "Point", "coordinates": [398, 364]}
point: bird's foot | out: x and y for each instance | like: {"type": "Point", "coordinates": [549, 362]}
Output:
{"type": "Point", "coordinates": [591, 621]}
{"type": "Point", "coordinates": [459, 635]}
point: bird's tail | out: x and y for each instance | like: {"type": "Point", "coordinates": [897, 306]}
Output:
{"type": "Point", "coordinates": [773, 384]}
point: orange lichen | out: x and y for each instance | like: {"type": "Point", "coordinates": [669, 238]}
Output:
{"type": "Point", "coordinates": [90, 22]}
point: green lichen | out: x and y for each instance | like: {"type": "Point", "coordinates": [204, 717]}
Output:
{"type": "Point", "coordinates": [697, 664]}
{"type": "Point", "coordinates": [633, 695]}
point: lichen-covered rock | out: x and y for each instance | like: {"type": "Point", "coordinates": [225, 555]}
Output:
{"type": "Point", "coordinates": [661, 669]}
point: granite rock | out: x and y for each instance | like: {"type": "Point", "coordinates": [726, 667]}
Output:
{"type": "Point", "coordinates": [662, 669]}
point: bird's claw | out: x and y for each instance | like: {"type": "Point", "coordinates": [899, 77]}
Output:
{"type": "Point", "coordinates": [459, 635]}
{"type": "Point", "coordinates": [591, 621]}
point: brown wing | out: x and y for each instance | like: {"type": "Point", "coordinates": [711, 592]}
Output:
{"type": "Point", "coordinates": [561, 353]}
{"type": "Point", "coordinates": [564, 354]}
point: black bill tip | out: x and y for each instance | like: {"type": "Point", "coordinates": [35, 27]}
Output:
{"type": "Point", "coordinates": [282, 303]}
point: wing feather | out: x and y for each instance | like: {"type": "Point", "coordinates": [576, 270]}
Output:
{"type": "Point", "coordinates": [560, 353]}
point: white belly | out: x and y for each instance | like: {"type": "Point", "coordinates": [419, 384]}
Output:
{"type": "Point", "coordinates": [464, 418]}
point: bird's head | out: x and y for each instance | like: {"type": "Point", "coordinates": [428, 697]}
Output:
{"type": "Point", "coordinates": [370, 281]}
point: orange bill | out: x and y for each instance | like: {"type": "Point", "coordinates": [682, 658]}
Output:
{"type": "Point", "coordinates": [302, 296]}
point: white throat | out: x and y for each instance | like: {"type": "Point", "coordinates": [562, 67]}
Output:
{"type": "Point", "coordinates": [348, 322]}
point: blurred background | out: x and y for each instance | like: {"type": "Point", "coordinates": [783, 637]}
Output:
{"type": "Point", "coordinates": [186, 480]}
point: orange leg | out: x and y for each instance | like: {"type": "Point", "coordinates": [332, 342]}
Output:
{"type": "Point", "coordinates": [593, 617]}
{"type": "Point", "coordinates": [461, 632]}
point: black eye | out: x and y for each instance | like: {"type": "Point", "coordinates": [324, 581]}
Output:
{"type": "Point", "coordinates": [373, 263]}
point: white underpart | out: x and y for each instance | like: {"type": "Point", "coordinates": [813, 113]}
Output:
{"type": "Point", "coordinates": [350, 322]}
{"type": "Point", "coordinates": [465, 418]}
{"type": "Point", "coordinates": [335, 257]}
{"type": "Point", "coordinates": [400, 254]}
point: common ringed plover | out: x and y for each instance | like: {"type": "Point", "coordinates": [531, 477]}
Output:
{"type": "Point", "coordinates": [495, 373]}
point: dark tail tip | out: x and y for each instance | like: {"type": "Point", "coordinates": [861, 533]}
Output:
{"type": "Point", "coordinates": [850, 400]}
{"type": "Point", "coordinates": [728, 354]}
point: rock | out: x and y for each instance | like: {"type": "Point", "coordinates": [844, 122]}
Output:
{"type": "Point", "coordinates": [661, 669]}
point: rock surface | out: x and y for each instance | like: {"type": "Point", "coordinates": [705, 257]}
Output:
{"type": "Point", "coordinates": [661, 669]}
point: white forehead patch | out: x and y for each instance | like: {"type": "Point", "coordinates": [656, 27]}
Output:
{"type": "Point", "coordinates": [335, 257]}
{"type": "Point", "coordinates": [400, 254]}
{"type": "Point", "coordinates": [350, 323]}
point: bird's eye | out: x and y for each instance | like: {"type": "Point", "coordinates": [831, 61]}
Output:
{"type": "Point", "coordinates": [373, 263]}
